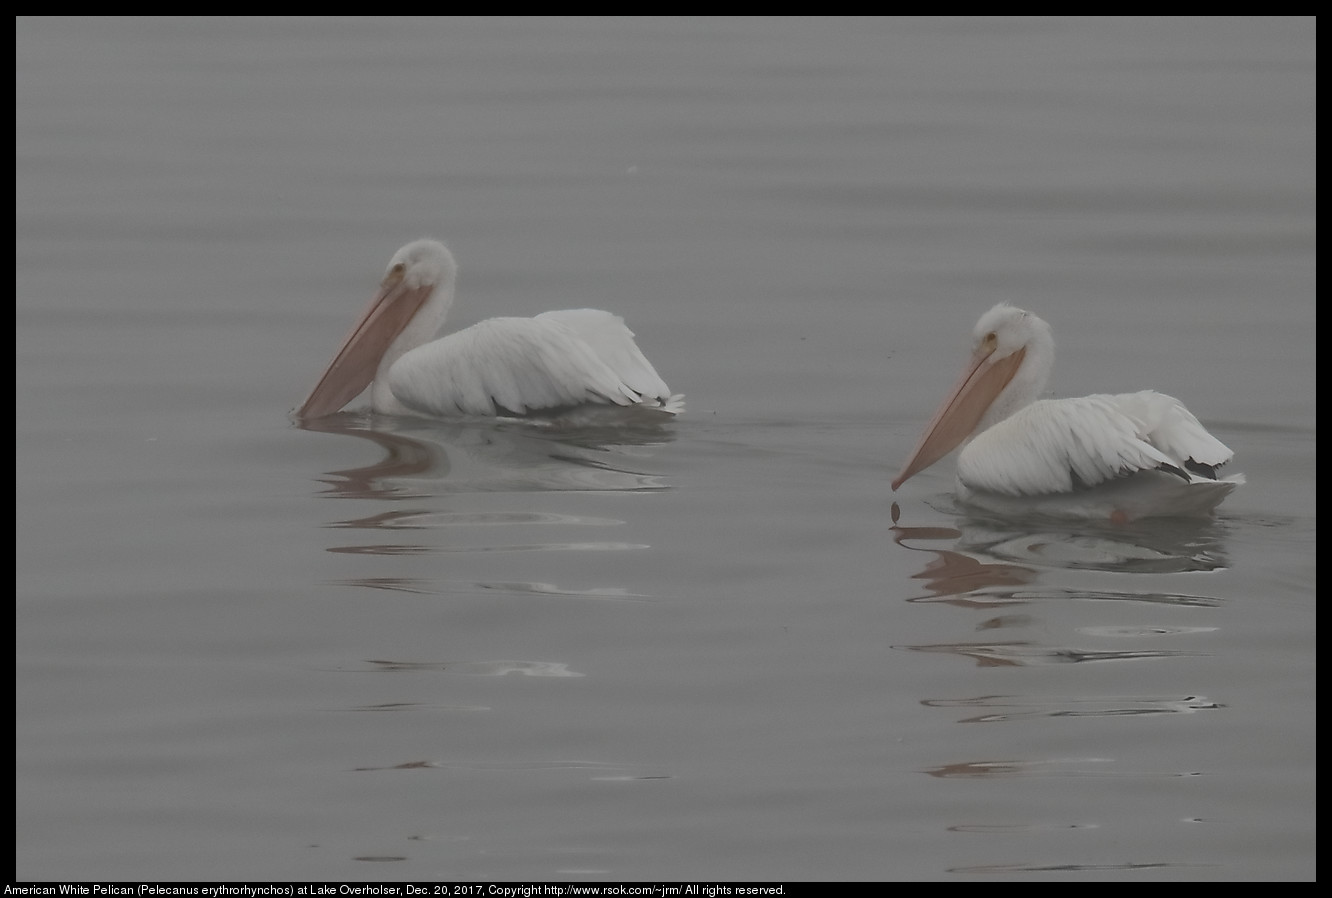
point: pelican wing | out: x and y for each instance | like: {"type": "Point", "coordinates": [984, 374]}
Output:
{"type": "Point", "coordinates": [1174, 430]}
{"type": "Point", "coordinates": [507, 366]}
{"type": "Point", "coordinates": [613, 343]}
{"type": "Point", "coordinates": [1063, 445]}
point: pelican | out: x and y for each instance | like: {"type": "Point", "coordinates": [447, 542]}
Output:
{"type": "Point", "coordinates": [1118, 457]}
{"type": "Point", "coordinates": [505, 367]}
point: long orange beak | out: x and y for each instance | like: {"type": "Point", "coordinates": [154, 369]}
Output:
{"type": "Point", "coordinates": [353, 368]}
{"type": "Point", "coordinates": [957, 417]}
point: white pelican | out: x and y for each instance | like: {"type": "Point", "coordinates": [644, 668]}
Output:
{"type": "Point", "coordinates": [500, 367]}
{"type": "Point", "coordinates": [1118, 457]}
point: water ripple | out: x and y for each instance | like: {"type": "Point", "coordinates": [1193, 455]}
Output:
{"type": "Point", "coordinates": [479, 668]}
{"type": "Point", "coordinates": [514, 587]}
{"type": "Point", "coordinates": [423, 520]}
{"type": "Point", "coordinates": [1027, 654]}
{"type": "Point", "coordinates": [1018, 708]}
{"type": "Point", "coordinates": [516, 547]}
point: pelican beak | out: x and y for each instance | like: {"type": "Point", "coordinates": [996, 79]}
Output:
{"type": "Point", "coordinates": [956, 418]}
{"type": "Point", "coordinates": [354, 367]}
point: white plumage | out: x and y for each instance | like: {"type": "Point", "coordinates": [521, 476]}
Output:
{"type": "Point", "coordinates": [1120, 457]}
{"type": "Point", "coordinates": [499, 367]}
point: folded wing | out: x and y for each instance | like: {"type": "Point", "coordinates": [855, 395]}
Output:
{"type": "Point", "coordinates": [516, 366]}
{"type": "Point", "coordinates": [1065, 445]}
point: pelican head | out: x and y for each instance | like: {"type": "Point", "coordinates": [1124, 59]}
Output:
{"type": "Point", "coordinates": [412, 301]}
{"type": "Point", "coordinates": [1011, 357]}
{"type": "Point", "coordinates": [421, 263]}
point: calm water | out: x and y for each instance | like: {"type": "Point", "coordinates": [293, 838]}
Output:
{"type": "Point", "coordinates": [412, 650]}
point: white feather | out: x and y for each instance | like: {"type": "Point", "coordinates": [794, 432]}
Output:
{"type": "Point", "coordinates": [506, 366]}
{"type": "Point", "coordinates": [613, 343]}
{"type": "Point", "coordinates": [1057, 445]}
